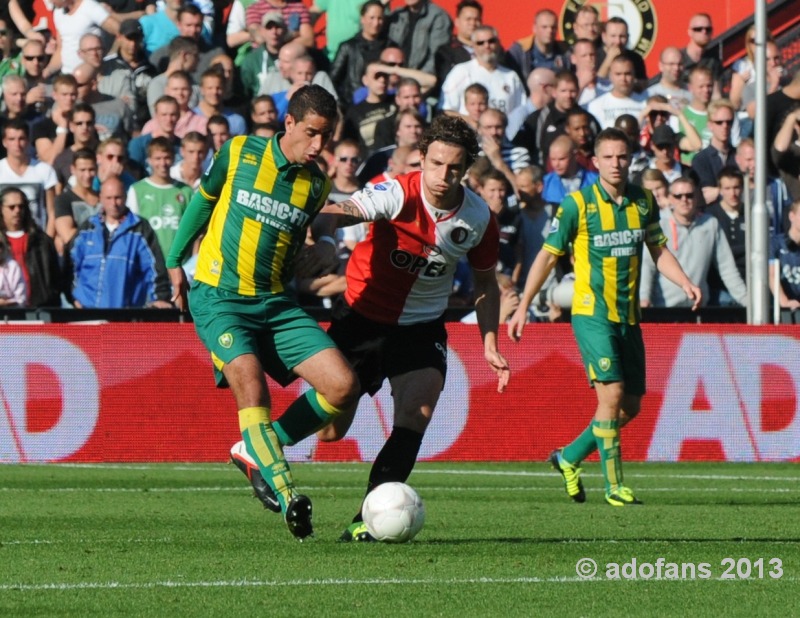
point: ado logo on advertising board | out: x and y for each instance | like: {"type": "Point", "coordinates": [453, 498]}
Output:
{"type": "Point", "coordinates": [730, 371]}
{"type": "Point", "coordinates": [76, 386]}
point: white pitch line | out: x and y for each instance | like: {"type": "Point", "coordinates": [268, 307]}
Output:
{"type": "Point", "coordinates": [757, 490]}
{"type": "Point", "coordinates": [337, 469]}
{"type": "Point", "coordinates": [445, 488]}
{"type": "Point", "coordinates": [322, 582]}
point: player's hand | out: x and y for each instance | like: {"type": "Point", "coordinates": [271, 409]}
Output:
{"type": "Point", "coordinates": [516, 322]}
{"type": "Point", "coordinates": [694, 294]}
{"type": "Point", "coordinates": [180, 288]}
{"type": "Point", "coordinates": [316, 260]}
{"type": "Point", "coordinates": [500, 366]}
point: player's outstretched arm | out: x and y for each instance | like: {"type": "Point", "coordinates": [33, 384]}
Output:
{"type": "Point", "coordinates": [668, 265]}
{"type": "Point", "coordinates": [487, 308]}
{"type": "Point", "coordinates": [180, 288]}
{"type": "Point", "coordinates": [537, 275]}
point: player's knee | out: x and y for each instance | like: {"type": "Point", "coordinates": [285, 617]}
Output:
{"type": "Point", "coordinates": [344, 393]}
{"type": "Point", "coordinates": [416, 420]}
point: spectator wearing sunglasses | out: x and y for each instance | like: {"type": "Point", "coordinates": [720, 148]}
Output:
{"type": "Point", "coordinates": [698, 242]}
{"type": "Point", "coordinates": [720, 151]}
{"type": "Point", "coordinates": [696, 51]}
{"type": "Point", "coordinates": [506, 90]}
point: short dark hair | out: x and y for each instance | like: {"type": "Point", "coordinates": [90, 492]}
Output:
{"type": "Point", "coordinates": [160, 143]}
{"type": "Point", "coordinates": [191, 9]}
{"type": "Point", "coordinates": [17, 124]}
{"type": "Point", "coordinates": [730, 171]}
{"type": "Point", "coordinates": [611, 134]}
{"type": "Point", "coordinates": [81, 107]}
{"type": "Point", "coordinates": [259, 99]}
{"type": "Point", "coordinates": [312, 99]}
{"type": "Point", "coordinates": [181, 45]}
{"type": "Point", "coordinates": [476, 88]}
{"type": "Point", "coordinates": [85, 153]}
{"type": "Point", "coordinates": [365, 7]}
{"type": "Point", "coordinates": [220, 120]}
{"type": "Point", "coordinates": [166, 99]}
{"type": "Point", "coordinates": [414, 113]}
{"type": "Point", "coordinates": [469, 4]}
{"type": "Point", "coordinates": [451, 130]}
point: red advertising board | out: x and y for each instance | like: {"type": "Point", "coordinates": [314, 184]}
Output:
{"type": "Point", "coordinates": [144, 392]}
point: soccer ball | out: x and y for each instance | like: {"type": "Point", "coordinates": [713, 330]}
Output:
{"type": "Point", "coordinates": [393, 512]}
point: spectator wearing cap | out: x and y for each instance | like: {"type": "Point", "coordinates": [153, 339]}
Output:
{"type": "Point", "coordinates": [190, 24]}
{"type": "Point", "coordinates": [127, 74]}
{"type": "Point", "coordinates": [260, 65]}
{"type": "Point", "coordinates": [295, 16]}
{"type": "Point", "coordinates": [719, 153]}
{"type": "Point", "coordinates": [665, 150]}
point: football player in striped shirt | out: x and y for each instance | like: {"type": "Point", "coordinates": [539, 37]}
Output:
{"type": "Point", "coordinates": [608, 224]}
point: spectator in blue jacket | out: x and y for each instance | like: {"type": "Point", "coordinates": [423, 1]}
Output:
{"type": "Point", "coordinates": [567, 175]}
{"type": "Point", "coordinates": [116, 259]}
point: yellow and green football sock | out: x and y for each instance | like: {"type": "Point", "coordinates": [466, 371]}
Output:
{"type": "Point", "coordinates": [265, 448]}
{"type": "Point", "coordinates": [581, 447]}
{"type": "Point", "coordinates": [606, 434]}
{"type": "Point", "coordinates": [308, 414]}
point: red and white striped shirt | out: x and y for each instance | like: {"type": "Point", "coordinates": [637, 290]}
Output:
{"type": "Point", "coordinates": [402, 273]}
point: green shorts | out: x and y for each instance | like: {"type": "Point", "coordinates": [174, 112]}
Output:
{"type": "Point", "coordinates": [611, 352]}
{"type": "Point", "coordinates": [274, 328]}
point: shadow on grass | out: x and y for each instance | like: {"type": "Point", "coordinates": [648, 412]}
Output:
{"type": "Point", "coordinates": [638, 539]}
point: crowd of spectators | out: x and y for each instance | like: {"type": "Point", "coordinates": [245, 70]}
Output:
{"type": "Point", "coordinates": [111, 112]}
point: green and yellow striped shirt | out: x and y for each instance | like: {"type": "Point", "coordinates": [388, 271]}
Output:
{"type": "Point", "coordinates": [607, 241]}
{"type": "Point", "coordinates": [258, 207]}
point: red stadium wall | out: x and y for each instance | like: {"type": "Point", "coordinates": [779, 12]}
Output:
{"type": "Point", "coordinates": [664, 22]}
{"type": "Point", "coordinates": [144, 392]}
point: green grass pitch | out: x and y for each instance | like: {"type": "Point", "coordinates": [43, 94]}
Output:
{"type": "Point", "coordinates": [500, 539]}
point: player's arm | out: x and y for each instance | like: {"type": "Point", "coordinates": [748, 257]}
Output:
{"type": "Point", "coordinates": [194, 221]}
{"type": "Point", "coordinates": [667, 264]}
{"type": "Point", "coordinates": [487, 308]}
{"type": "Point", "coordinates": [563, 229]}
{"type": "Point", "coordinates": [540, 269]}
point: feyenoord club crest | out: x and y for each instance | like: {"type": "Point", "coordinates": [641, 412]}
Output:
{"type": "Point", "coordinates": [459, 235]}
{"type": "Point", "coordinates": [640, 15]}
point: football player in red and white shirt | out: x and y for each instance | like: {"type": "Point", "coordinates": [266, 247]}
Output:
{"type": "Point", "coordinates": [390, 323]}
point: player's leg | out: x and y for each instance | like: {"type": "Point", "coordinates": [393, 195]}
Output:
{"type": "Point", "coordinates": [415, 359]}
{"type": "Point", "coordinates": [245, 376]}
{"type": "Point", "coordinates": [414, 395]}
{"type": "Point", "coordinates": [334, 393]}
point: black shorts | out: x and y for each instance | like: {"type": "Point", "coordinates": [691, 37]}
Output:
{"type": "Point", "coordinates": [379, 351]}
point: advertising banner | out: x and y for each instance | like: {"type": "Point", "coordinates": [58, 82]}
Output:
{"type": "Point", "coordinates": [145, 393]}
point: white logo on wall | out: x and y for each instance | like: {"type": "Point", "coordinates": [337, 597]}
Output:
{"type": "Point", "coordinates": [640, 15]}
{"type": "Point", "coordinates": [77, 385]}
{"type": "Point", "coordinates": [375, 416]}
{"type": "Point", "coordinates": [729, 370]}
